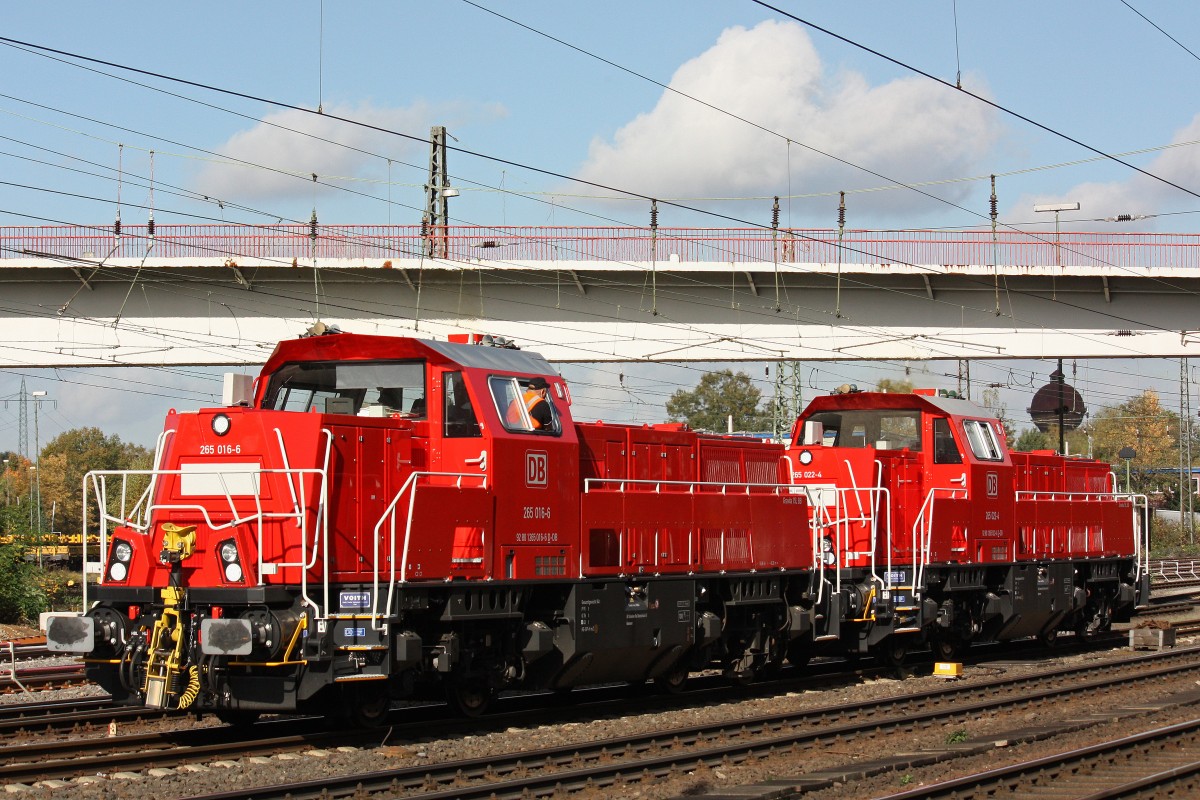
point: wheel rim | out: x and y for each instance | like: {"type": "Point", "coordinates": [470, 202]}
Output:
{"type": "Point", "coordinates": [470, 699]}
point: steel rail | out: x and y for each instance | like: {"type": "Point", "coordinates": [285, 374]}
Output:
{"type": "Point", "coordinates": [610, 762]}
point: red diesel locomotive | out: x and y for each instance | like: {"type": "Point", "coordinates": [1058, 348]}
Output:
{"type": "Point", "coordinates": [384, 518]}
{"type": "Point", "coordinates": [380, 518]}
{"type": "Point", "coordinates": [929, 531]}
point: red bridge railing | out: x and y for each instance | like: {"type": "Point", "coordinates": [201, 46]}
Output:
{"type": "Point", "coordinates": [286, 243]}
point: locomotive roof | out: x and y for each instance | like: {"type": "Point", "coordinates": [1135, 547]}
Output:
{"type": "Point", "coordinates": [870, 400]}
{"type": "Point", "coordinates": [363, 347]}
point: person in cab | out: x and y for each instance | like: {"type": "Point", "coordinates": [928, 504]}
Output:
{"type": "Point", "coordinates": [537, 404]}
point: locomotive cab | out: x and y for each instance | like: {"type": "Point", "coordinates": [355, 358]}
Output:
{"type": "Point", "coordinates": [932, 532]}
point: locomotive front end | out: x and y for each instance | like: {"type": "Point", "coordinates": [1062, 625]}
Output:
{"type": "Point", "coordinates": [198, 561]}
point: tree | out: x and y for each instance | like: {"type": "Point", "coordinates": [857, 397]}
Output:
{"type": "Point", "coordinates": [70, 456]}
{"type": "Point", "coordinates": [894, 386]}
{"type": "Point", "coordinates": [716, 397]}
{"type": "Point", "coordinates": [1143, 424]}
{"type": "Point", "coordinates": [1032, 439]}
{"type": "Point", "coordinates": [991, 401]}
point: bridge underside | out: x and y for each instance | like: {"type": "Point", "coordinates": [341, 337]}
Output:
{"type": "Point", "coordinates": [74, 315]}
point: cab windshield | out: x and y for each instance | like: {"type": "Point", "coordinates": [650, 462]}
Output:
{"type": "Point", "coordinates": [371, 388]}
{"type": "Point", "coordinates": [883, 429]}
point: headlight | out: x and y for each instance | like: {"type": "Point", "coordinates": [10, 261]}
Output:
{"type": "Point", "coordinates": [233, 573]}
{"type": "Point", "coordinates": [826, 544]}
{"type": "Point", "coordinates": [221, 424]}
{"type": "Point", "coordinates": [229, 551]}
{"type": "Point", "coordinates": [122, 551]}
{"type": "Point", "coordinates": [117, 571]}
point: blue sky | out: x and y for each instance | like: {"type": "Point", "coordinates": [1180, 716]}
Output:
{"type": "Point", "coordinates": [1094, 71]}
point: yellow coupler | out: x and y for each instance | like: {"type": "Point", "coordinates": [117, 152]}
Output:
{"type": "Point", "coordinates": [164, 686]}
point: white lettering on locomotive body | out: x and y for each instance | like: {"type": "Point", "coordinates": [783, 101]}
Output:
{"type": "Point", "coordinates": [993, 484]}
{"type": "Point", "coordinates": [536, 469]}
{"type": "Point", "coordinates": [220, 449]}
{"type": "Point", "coordinates": [549, 537]}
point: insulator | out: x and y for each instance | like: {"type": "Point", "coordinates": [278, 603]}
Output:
{"type": "Point", "coordinates": [842, 210]}
{"type": "Point", "coordinates": [312, 226]}
{"type": "Point", "coordinates": [150, 226]}
{"type": "Point", "coordinates": [654, 214]}
{"type": "Point", "coordinates": [775, 213]}
{"type": "Point", "coordinates": [117, 226]}
{"type": "Point", "coordinates": [993, 197]}
{"type": "Point", "coordinates": [1124, 217]}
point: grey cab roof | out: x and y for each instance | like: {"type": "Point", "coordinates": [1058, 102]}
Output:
{"type": "Point", "coordinates": [962, 408]}
{"type": "Point", "coordinates": [498, 359]}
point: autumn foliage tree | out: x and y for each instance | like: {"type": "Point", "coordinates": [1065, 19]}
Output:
{"type": "Point", "coordinates": [70, 456]}
{"type": "Point", "coordinates": [1145, 425]}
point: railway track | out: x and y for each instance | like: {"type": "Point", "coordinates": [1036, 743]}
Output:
{"type": "Point", "coordinates": [613, 762]}
{"type": "Point", "coordinates": [1158, 763]}
{"type": "Point", "coordinates": [36, 678]}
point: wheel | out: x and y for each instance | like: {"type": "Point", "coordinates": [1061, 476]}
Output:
{"type": "Point", "coordinates": [1048, 638]}
{"type": "Point", "coordinates": [238, 718]}
{"type": "Point", "coordinates": [798, 654]}
{"type": "Point", "coordinates": [891, 652]}
{"type": "Point", "coordinates": [946, 649]}
{"type": "Point", "coordinates": [673, 681]}
{"type": "Point", "coordinates": [367, 705]}
{"type": "Point", "coordinates": [469, 698]}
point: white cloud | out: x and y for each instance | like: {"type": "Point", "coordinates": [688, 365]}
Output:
{"type": "Point", "coordinates": [296, 143]}
{"type": "Point", "coordinates": [910, 129]}
{"type": "Point", "coordinates": [1136, 194]}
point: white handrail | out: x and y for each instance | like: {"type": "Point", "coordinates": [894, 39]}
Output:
{"type": "Point", "coordinates": [140, 517]}
{"type": "Point", "coordinates": [923, 531]}
{"type": "Point", "coordinates": [388, 516]}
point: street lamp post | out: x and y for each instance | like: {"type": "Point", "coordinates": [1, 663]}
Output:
{"type": "Point", "coordinates": [37, 450]}
{"type": "Point", "coordinates": [32, 479]}
{"type": "Point", "coordinates": [1128, 454]}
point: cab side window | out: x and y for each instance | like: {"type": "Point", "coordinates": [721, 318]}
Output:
{"type": "Point", "coordinates": [525, 405]}
{"type": "Point", "coordinates": [983, 440]}
{"type": "Point", "coordinates": [945, 451]}
{"type": "Point", "coordinates": [459, 417]}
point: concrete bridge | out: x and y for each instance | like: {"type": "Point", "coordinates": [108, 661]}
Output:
{"type": "Point", "coordinates": [224, 294]}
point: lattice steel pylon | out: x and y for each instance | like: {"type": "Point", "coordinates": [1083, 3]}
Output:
{"type": "Point", "coordinates": [786, 405]}
{"type": "Point", "coordinates": [437, 194]}
{"type": "Point", "coordinates": [23, 423]}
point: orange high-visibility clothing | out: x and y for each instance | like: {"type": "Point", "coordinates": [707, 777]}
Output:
{"type": "Point", "coordinates": [530, 399]}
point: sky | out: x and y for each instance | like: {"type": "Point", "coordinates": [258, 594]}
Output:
{"type": "Point", "coordinates": [559, 110]}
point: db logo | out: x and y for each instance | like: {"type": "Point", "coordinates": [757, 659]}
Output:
{"type": "Point", "coordinates": [535, 468]}
{"type": "Point", "coordinates": [993, 484]}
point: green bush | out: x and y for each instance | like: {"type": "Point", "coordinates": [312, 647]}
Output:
{"type": "Point", "coordinates": [21, 597]}
{"type": "Point", "coordinates": [62, 588]}
{"type": "Point", "coordinates": [1168, 539]}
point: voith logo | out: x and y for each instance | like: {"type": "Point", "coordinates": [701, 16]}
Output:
{"type": "Point", "coordinates": [993, 484]}
{"type": "Point", "coordinates": [536, 472]}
